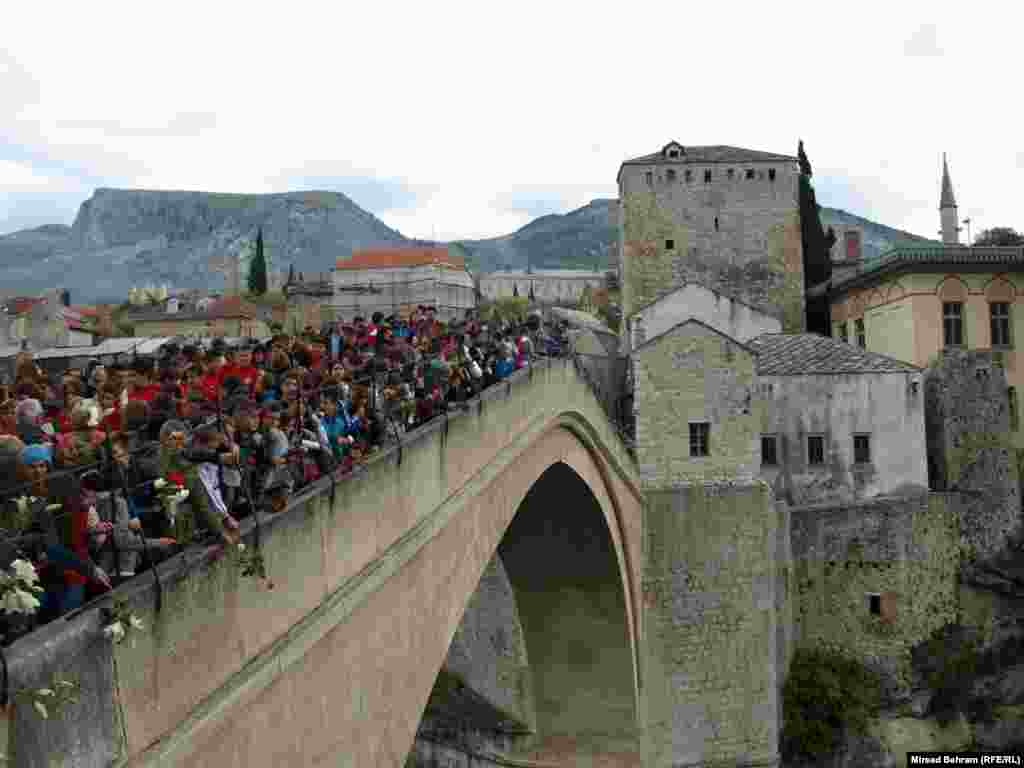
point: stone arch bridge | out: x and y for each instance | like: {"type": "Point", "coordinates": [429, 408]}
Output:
{"type": "Point", "coordinates": [500, 590]}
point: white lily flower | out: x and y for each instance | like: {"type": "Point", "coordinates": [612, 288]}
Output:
{"type": "Point", "coordinates": [11, 602]}
{"type": "Point", "coordinates": [25, 571]}
{"type": "Point", "coordinates": [159, 483]}
{"type": "Point", "coordinates": [45, 692]}
{"type": "Point", "coordinates": [241, 547]}
{"type": "Point", "coordinates": [29, 603]}
{"type": "Point", "coordinates": [136, 623]}
{"type": "Point", "coordinates": [115, 632]}
{"type": "Point", "coordinates": [41, 709]}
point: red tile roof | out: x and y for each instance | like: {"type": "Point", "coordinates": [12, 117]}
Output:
{"type": "Point", "coordinates": [21, 304]}
{"type": "Point", "coordinates": [384, 258]}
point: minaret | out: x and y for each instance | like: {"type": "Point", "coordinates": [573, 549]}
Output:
{"type": "Point", "coordinates": [947, 209]}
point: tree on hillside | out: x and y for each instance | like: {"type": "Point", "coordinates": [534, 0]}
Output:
{"type": "Point", "coordinates": [258, 268]}
{"type": "Point", "coordinates": [817, 248]}
{"type": "Point", "coordinates": [515, 290]}
{"type": "Point", "coordinates": [999, 236]}
{"type": "Point", "coordinates": [291, 274]}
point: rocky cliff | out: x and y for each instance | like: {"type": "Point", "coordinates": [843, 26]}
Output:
{"type": "Point", "coordinates": [124, 237]}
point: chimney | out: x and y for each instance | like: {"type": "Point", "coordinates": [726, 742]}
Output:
{"type": "Point", "coordinates": [853, 245]}
{"type": "Point", "coordinates": [65, 298]}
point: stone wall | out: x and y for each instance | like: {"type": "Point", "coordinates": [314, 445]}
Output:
{"type": "Point", "coordinates": [710, 577]}
{"type": "Point", "coordinates": [903, 549]}
{"type": "Point", "coordinates": [888, 407]}
{"type": "Point", "coordinates": [967, 421]}
{"type": "Point", "coordinates": [741, 236]}
{"type": "Point", "coordinates": [692, 373]}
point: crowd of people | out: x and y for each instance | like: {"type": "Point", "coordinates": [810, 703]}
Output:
{"type": "Point", "coordinates": [109, 470]}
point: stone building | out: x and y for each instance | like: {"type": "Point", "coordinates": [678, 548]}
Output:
{"type": "Point", "coordinates": [545, 285]}
{"type": "Point", "coordinates": [722, 216]}
{"type": "Point", "coordinates": [392, 280]}
{"type": "Point", "coordinates": [839, 423]}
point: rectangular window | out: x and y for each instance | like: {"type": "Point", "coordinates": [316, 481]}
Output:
{"type": "Point", "coordinates": [815, 450]}
{"type": "Point", "coordinates": [1011, 396]}
{"type": "Point", "coordinates": [670, 175]}
{"type": "Point", "coordinates": [707, 177]}
{"type": "Point", "coordinates": [769, 450]}
{"type": "Point", "coordinates": [862, 449]}
{"type": "Point", "coordinates": [750, 173]}
{"type": "Point", "coordinates": [649, 176]}
{"type": "Point", "coordinates": [1000, 316]}
{"type": "Point", "coordinates": [875, 605]}
{"type": "Point", "coordinates": [844, 333]}
{"type": "Point", "coordinates": [731, 172]}
{"type": "Point", "coordinates": [953, 323]}
{"type": "Point", "coordinates": [670, 245]}
{"type": "Point", "coordinates": [699, 434]}
{"type": "Point", "coordinates": [771, 174]}
{"type": "Point", "coordinates": [688, 176]}
{"type": "Point", "coordinates": [862, 341]}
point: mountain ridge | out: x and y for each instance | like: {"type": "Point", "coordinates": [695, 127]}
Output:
{"type": "Point", "coordinates": [125, 237]}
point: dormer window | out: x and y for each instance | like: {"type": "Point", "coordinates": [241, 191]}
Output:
{"type": "Point", "coordinates": [673, 153]}
{"type": "Point", "coordinates": [673, 150]}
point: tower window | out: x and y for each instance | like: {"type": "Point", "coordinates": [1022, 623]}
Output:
{"type": "Point", "coordinates": [953, 323]}
{"type": "Point", "coordinates": [1000, 317]}
{"type": "Point", "coordinates": [699, 434]}
{"type": "Point", "coordinates": [670, 245]}
{"type": "Point", "coordinates": [875, 605]}
{"type": "Point", "coordinates": [862, 341]}
{"type": "Point", "coordinates": [862, 449]}
{"type": "Point", "coordinates": [707, 177]}
{"type": "Point", "coordinates": [750, 173]}
{"type": "Point", "coordinates": [771, 174]}
{"type": "Point", "coordinates": [815, 450]}
{"type": "Point", "coordinates": [731, 172]}
{"type": "Point", "coordinates": [769, 450]}
{"type": "Point", "coordinates": [689, 175]}
{"type": "Point", "coordinates": [716, 223]}
{"type": "Point", "coordinates": [670, 175]}
{"type": "Point", "coordinates": [649, 176]}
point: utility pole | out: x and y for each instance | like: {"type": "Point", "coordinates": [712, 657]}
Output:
{"type": "Point", "coordinates": [967, 221]}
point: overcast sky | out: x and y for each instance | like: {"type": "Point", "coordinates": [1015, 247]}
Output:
{"type": "Point", "coordinates": [456, 120]}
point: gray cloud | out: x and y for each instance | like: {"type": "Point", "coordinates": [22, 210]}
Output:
{"type": "Point", "coordinates": [924, 42]}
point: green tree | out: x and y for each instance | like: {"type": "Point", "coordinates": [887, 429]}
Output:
{"type": "Point", "coordinates": [999, 236]}
{"type": "Point", "coordinates": [817, 248]}
{"type": "Point", "coordinates": [258, 268]}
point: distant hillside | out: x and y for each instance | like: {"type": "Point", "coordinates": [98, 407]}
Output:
{"type": "Point", "coordinates": [876, 238]}
{"type": "Point", "coordinates": [122, 238]}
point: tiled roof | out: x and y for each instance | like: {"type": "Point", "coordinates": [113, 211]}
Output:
{"type": "Point", "coordinates": [383, 258]}
{"type": "Point", "coordinates": [797, 354]}
{"type": "Point", "coordinates": [712, 154]}
{"type": "Point", "coordinates": [20, 304]}
{"type": "Point", "coordinates": [938, 256]}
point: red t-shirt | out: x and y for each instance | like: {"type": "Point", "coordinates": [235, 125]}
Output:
{"type": "Point", "coordinates": [210, 385]}
{"type": "Point", "coordinates": [145, 393]}
{"type": "Point", "coordinates": [247, 374]}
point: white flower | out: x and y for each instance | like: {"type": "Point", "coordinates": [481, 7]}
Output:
{"type": "Point", "coordinates": [136, 623]}
{"type": "Point", "coordinates": [241, 547]}
{"type": "Point", "coordinates": [11, 602]}
{"type": "Point", "coordinates": [115, 631]}
{"type": "Point", "coordinates": [182, 495]}
{"type": "Point", "coordinates": [159, 483]}
{"type": "Point", "coordinates": [25, 571]}
{"type": "Point", "coordinates": [45, 692]}
{"type": "Point", "coordinates": [29, 603]}
{"type": "Point", "coordinates": [41, 709]}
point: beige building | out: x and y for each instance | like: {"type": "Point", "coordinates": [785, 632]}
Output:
{"type": "Point", "coordinates": [544, 285]}
{"type": "Point", "coordinates": [392, 280]}
{"type": "Point", "coordinates": [913, 302]}
{"type": "Point", "coordinates": [228, 317]}
{"type": "Point", "coordinates": [725, 217]}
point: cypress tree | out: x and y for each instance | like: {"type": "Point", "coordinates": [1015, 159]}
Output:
{"type": "Point", "coordinates": [258, 268]}
{"type": "Point", "coordinates": [817, 248]}
{"type": "Point", "coordinates": [515, 290]}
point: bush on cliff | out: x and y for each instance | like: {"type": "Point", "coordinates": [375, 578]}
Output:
{"type": "Point", "coordinates": [826, 694]}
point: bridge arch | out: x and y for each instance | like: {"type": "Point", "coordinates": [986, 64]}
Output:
{"type": "Point", "coordinates": [562, 556]}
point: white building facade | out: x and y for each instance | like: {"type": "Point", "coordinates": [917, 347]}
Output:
{"type": "Point", "coordinates": [549, 285]}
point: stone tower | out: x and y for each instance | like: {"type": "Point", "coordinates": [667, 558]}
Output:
{"type": "Point", "coordinates": [947, 209]}
{"type": "Point", "coordinates": [726, 217]}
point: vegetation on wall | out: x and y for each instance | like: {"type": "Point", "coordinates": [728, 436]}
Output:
{"type": "Point", "coordinates": [999, 236]}
{"type": "Point", "coordinates": [949, 661]}
{"type": "Point", "coordinates": [826, 693]}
